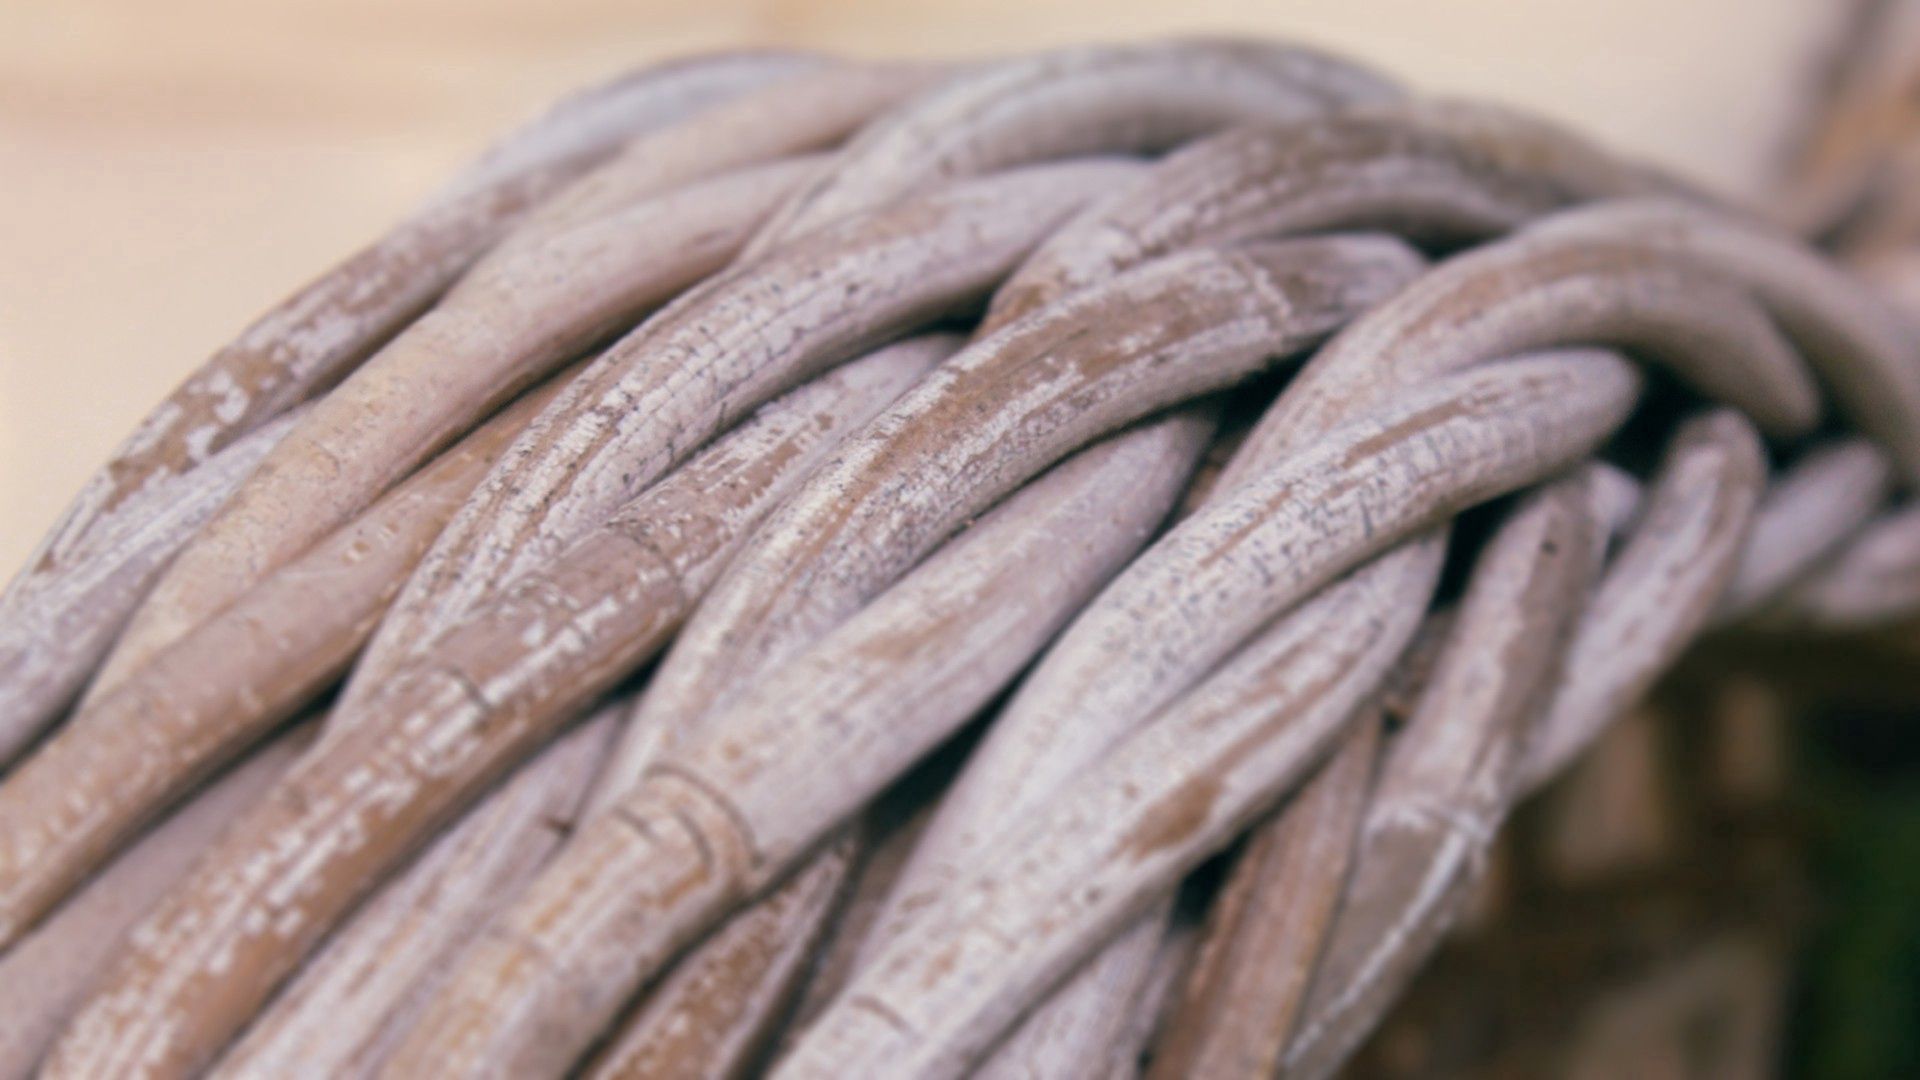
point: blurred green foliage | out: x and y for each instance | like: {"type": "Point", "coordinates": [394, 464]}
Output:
{"type": "Point", "coordinates": [1857, 1011]}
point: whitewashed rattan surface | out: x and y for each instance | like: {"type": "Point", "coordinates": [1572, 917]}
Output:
{"type": "Point", "coordinates": [171, 170]}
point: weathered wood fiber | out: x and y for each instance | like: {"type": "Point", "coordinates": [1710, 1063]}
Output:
{"type": "Point", "coordinates": [45, 975]}
{"type": "Point", "coordinates": [1868, 357]}
{"type": "Point", "coordinates": [1125, 99]}
{"type": "Point", "coordinates": [1873, 581]}
{"type": "Point", "coordinates": [1810, 510]}
{"type": "Point", "coordinates": [1256, 549]}
{"type": "Point", "coordinates": [1007, 406]}
{"type": "Point", "coordinates": [319, 334]}
{"type": "Point", "coordinates": [1659, 591]}
{"type": "Point", "coordinates": [442, 728]}
{"type": "Point", "coordinates": [848, 560]}
{"type": "Point", "coordinates": [687, 373]}
{"type": "Point", "coordinates": [1120, 835]}
{"type": "Point", "coordinates": [713, 1017]}
{"type": "Point", "coordinates": [1447, 780]}
{"type": "Point", "coordinates": [57, 625]}
{"type": "Point", "coordinates": [358, 995]}
{"type": "Point", "coordinates": [1427, 170]}
{"type": "Point", "coordinates": [950, 634]}
{"type": "Point", "coordinates": [131, 752]}
{"type": "Point", "coordinates": [520, 312]}
{"type": "Point", "coordinates": [1265, 930]}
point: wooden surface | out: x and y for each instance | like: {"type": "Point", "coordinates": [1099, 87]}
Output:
{"type": "Point", "coordinates": [168, 170]}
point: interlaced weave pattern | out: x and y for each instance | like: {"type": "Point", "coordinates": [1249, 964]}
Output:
{"type": "Point", "coordinates": [1183, 411]}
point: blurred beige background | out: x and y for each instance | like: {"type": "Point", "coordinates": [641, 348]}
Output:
{"type": "Point", "coordinates": [168, 169]}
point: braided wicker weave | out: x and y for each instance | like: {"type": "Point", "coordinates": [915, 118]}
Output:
{"type": "Point", "coordinates": [1034, 478]}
